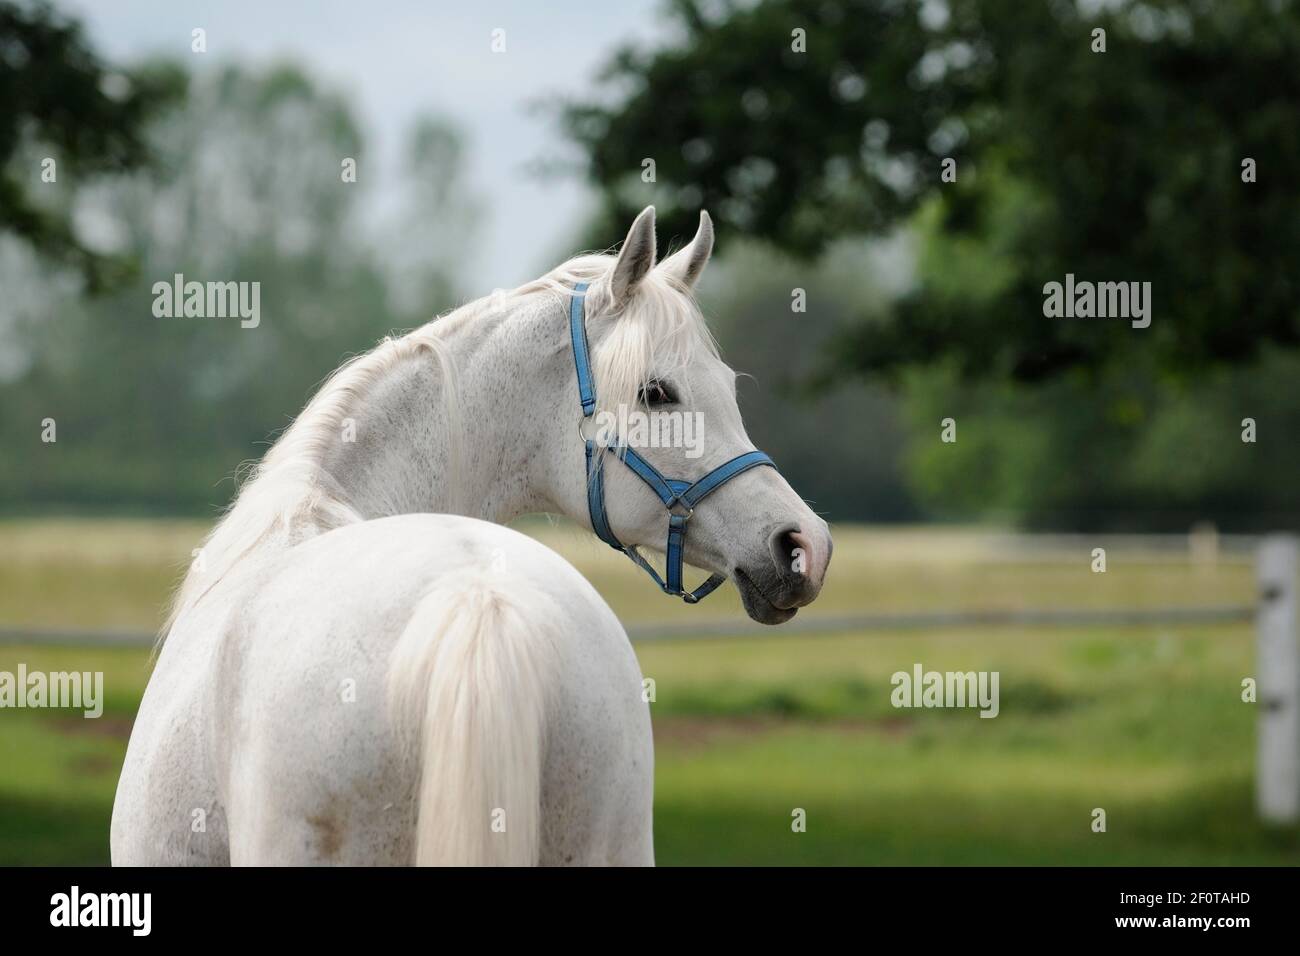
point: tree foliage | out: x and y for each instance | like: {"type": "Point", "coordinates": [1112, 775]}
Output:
{"type": "Point", "coordinates": [152, 413]}
{"type": "Point", "coordinates": [1123, 165]}
{"type": "Point", "coordinates": [60, 101]}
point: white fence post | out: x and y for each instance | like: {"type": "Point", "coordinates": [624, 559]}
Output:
{"type": "Point", "coordinates": [1277, 773]}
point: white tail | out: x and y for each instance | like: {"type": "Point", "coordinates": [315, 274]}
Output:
{"type": "Point", "coordinates": [469, 679]}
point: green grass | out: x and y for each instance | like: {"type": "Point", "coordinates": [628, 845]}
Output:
{"type": "Point", "coordinates": [1146, 723]}
{"type": "Point", "coordinates": [1147, 726]}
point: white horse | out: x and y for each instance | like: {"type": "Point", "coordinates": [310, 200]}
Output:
{"type": "Point", "coordinates": [364, 667]}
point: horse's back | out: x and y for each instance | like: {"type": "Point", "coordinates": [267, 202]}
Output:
{"type": "Point", "coordinates": [308, 763]}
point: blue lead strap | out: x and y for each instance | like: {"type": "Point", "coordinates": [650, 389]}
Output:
{"type": "Point", "coordinates": [581, 353]}
{"type": "Point", "coordinates": [596, 499]}
{"type": "Point", "coordinates": [672, 492]}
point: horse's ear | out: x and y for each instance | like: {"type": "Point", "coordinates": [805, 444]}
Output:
{"type": "Point", "coordinates": [686, 264]}
{"type": "Point", "coordinates": [635, 259]}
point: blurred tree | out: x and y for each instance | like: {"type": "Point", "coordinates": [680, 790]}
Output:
{"type": "Point", "coordinates": [819, 441]}
{"type": "Point", "coordinates": [1126, 452]}
{"type": "Point", "coordinates": [153, 412]}
{"type": "Point", "coordinates": [61, 103]}
{"type": "Point", "coordinates": [438, 219]}
{"type": "Point", "coordinates": [1123, 447]}
{"type": "Point", "coordinates": [804, 120]}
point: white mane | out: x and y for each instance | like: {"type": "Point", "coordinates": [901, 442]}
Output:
{"type": "Point", "coordinates": [289, 493]}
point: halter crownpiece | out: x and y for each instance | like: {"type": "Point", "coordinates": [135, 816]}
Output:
{"type": "Point", "coordinates": [675, 493]}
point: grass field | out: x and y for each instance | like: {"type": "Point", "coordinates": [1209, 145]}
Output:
{"type": "Point", "coordinates": [1145, 723]}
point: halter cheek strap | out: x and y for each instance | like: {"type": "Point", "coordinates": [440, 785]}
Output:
{"type": "Point", "coordinates": [678, 497]}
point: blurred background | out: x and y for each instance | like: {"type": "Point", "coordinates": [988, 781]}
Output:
{"type": "Point", "coordinates": [868, 298]}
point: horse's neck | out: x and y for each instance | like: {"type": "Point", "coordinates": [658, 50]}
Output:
{"type": "Point", "coordinates": [394, 435]}
{"type": "Point", "coordinates": [419, 441]}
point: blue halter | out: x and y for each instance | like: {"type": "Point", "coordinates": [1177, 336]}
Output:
{"type": "Point", "coordinates": [678, 496]}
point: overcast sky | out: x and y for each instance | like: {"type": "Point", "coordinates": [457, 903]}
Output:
{"type": "Point", "coordinates": [398, 58]}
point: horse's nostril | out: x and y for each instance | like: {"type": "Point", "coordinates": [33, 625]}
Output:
{"type": "Point", "coordinates": [789, 549]}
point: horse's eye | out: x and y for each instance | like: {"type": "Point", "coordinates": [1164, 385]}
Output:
{"type": "Point", "coordinates": [657, 393]}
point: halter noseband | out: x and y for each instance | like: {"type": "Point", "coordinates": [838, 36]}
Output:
{"type": "Point", "coordinates": [679, 497]}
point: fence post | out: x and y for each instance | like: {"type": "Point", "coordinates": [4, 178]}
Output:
{"type": "Point", "coordinates": [1277, 772]}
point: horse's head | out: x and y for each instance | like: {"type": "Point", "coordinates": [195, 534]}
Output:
{"type": "Point", "coordinates": [661, 389]}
